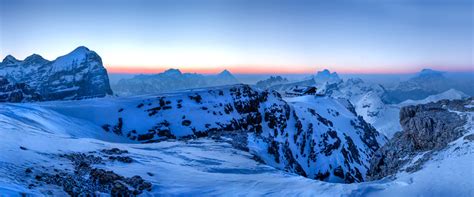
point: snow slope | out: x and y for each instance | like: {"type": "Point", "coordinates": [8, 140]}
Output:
{"type": "Point", "coordinates": [449, 173]}
{"type": "Point", "coordinates": [450, 94]}
{"type": "Point", "coordinates": [196, 167]}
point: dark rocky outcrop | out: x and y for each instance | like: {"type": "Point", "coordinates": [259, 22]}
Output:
{"type": "Point", "coordinates": [86, 180]}
{"type": "Point", "coordinates": [427, 128]}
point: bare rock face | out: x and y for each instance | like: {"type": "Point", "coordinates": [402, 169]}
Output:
{"type": "Point", "coordinates": [77, 75]}
{"type": "Point", "coordinates": [427, 128]}
{"type": "Point", "coordinates": [17, 92]}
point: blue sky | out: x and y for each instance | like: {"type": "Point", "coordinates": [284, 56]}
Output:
{"type": "Point", "coordinates": [246, 36]}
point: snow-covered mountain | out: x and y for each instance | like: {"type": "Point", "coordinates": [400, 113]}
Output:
{"type": "Point", "coordinates": [426, 83]}
{"type": "Point", "coordinates": [283, 87]}
{"type": "Point", "coordinates": [79, 74]}
{"type": "Point", "coordinates": [326, 77]}
{"type": "Point", "coordinates": [368, 100]}
{"type": "Point", "coordinates": [450, 94]}
{"type": "Point", "coordinates": [170, 80]}
{"type": "Point", "coordinates": [60, 147]}
{"type": "Point", "coordinates": [320, 138]}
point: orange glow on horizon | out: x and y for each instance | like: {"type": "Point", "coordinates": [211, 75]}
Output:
{"type": "Point", "coordinates": [277, 69]}
{"type": "Point", "coordinates": [236, 69]}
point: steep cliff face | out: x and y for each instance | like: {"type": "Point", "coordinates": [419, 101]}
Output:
{"type": "Point", "coordinates": [320, 138]}
{"type": "Point", "coordinates": [79, 74]}
{"type": "Point", "coordinates": [16, 92]}
{"type": "Point", "coordinates": [427, 129]}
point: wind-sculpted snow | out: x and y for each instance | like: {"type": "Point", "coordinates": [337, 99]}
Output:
{"type": "Point", "coordinates": [320, 138]}
{"type": "Point", "coordinates": [79, 74]}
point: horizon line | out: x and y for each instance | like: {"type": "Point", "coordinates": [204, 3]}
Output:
{"type": "Point", "coordinates": [252, 70]}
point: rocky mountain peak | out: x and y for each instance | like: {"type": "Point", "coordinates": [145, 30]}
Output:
{"type": "Point", "coordinates": [172, 72]}
{"type": "Point", "coordinates": [81, 49]}
{"type": "Point", "coordinates": [74, 58]}
{"type": "Point", "coordinates": [225, 72]}
{"type": "Point", "coordinates": [35, 58]}
{"type": "Point", "coordinates": [9, 59]}
{"type": "Point", "coordinates": [227, 77]}
{"type": "Point", "coordinates": [325, 76]}
{"type": "Point", "coordinates": [324, 72]}
{"type": "Point", "coordinates": [429, 73]}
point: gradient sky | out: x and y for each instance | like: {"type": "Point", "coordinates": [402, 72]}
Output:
{"type": "Point", "coordinates": [254, 36]}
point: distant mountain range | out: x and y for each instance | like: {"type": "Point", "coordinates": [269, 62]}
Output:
{"type": "Point", "coordinates": [79, 74]}
{"type": "Point", "coordinates": [171, 80]}
{"type": "Point", "coordinates": [425, 83]}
